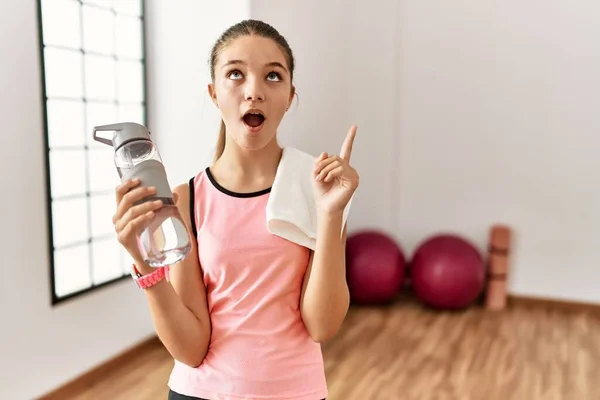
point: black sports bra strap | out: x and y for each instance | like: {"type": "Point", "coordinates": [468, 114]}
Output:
{"type": "Point", "coordinates": [192, 208]}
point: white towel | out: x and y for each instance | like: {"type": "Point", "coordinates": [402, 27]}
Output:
{"type": "Point", "coordinates": [291, 211]}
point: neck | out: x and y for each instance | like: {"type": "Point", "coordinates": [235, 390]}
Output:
{"type": "Point", "coordinates": [245, 163]}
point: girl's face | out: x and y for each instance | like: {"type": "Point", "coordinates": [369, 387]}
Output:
{"type": "Point", "coordinates": [253, 90]}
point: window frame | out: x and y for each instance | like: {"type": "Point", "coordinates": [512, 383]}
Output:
{"type": "Point", "coordinates": [50, 218]}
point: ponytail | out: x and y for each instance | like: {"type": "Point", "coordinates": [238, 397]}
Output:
{"type": "Point", "coordinates": [220, 141]}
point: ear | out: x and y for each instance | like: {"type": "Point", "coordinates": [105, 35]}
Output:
{"type": "Point", "coordinates": [292, 94]}
{"type": "Point", "coordinates": [212, 93]}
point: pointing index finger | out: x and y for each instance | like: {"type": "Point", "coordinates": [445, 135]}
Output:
{"type": "Point", "coordinates": [348, 142]}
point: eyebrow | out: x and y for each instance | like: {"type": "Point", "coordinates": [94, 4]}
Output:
{"type": "Point", "coordinates": [271, 64]}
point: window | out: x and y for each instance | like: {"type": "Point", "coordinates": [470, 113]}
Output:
{"type": "Point", "coordinates": [93, 71]}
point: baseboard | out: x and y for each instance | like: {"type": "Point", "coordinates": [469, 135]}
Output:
{"type": "Point", "coordinates": [555, 304]}
{"type": "Point", "coordinates": [74, 387]}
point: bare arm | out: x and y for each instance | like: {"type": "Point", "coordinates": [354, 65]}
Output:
{"type": "Point", "coordinates": [179, 308]}
{"type": "Point", "coordinates": [325, 296]}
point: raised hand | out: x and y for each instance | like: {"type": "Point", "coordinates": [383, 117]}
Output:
{"type": "Point", "coordinates": [335, 180]}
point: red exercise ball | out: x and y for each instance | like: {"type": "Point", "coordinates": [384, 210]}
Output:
{"type": "Point", "coordinates": [375, 267]}
{"type": "Point", "coordinates": [447, 272]}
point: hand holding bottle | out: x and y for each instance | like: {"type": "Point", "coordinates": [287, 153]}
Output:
{"type": "Point", "coordinates": [131, 218]}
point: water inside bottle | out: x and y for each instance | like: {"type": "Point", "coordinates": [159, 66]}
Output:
{"type": "Point", "coordinates": [165, 239]}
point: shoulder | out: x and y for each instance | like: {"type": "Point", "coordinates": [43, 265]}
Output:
{"type": "Point", "coordinates": [183, 188]}
{"type": "Point", "coordinates": [185, 192]}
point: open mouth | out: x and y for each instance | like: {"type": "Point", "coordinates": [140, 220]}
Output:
{"type": "Point", "coordinates": [254, 118]}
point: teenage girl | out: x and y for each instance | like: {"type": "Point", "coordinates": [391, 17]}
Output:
{"type": "Point", "coordinates": [244, 314]}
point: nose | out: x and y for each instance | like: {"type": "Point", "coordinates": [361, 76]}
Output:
{"type": "Point", "coordinates": [254, 90]}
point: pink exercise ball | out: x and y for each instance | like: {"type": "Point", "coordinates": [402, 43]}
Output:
{"type": "Point", "coordinates": [447, 272]}
{"type": "Point", "coordinates": [375, 266]}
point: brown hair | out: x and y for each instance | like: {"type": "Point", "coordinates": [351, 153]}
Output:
{"type": "Point", "coordinates": [244, 28]}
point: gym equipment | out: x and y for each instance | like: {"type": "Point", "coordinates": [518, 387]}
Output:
{"type": "Point", "coordinates": [375, 266]}
{"type": "Point", "coordinates": [447, 272]}
{"type": "Point", "coordinates": [498, 260]}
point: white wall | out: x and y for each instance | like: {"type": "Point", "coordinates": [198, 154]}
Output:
{"type": "Point", "coordinates": [41, 347]}
{"type": "Point", "coordinates": [498, 121]}
{"type": "Point", "coordinates": [469, 114]}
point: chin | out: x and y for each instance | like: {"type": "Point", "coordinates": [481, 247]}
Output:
{"type": "Point", "coordinates": [255, 139]}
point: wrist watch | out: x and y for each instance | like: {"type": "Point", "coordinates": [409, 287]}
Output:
{"type": "Point", "coordinates": [151, 279]}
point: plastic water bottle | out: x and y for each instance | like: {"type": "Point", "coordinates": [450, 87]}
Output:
{"type": "Point", "coordinates": [165, 239]}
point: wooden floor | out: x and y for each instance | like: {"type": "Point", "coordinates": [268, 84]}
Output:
{"type": "Point", "coordinates": [406, 351]}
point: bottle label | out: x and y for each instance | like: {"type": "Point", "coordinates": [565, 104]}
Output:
{"type": "Point", "coordinates": [151, 173]}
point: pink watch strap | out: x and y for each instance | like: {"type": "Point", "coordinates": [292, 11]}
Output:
{"type": "Point", "coordinates": [151, 279]}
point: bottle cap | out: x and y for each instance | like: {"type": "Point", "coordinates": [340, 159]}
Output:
{"type": "Point", "coordinates": [123, 132]}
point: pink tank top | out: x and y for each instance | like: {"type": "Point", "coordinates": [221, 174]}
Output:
{"type": "Point", "coordinates": [259, 347]}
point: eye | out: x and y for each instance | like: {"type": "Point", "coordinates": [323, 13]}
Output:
{"type": "Point", "coordinates": [235, 74]}
{"type": "Point", "coordinates": [274, 76]}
